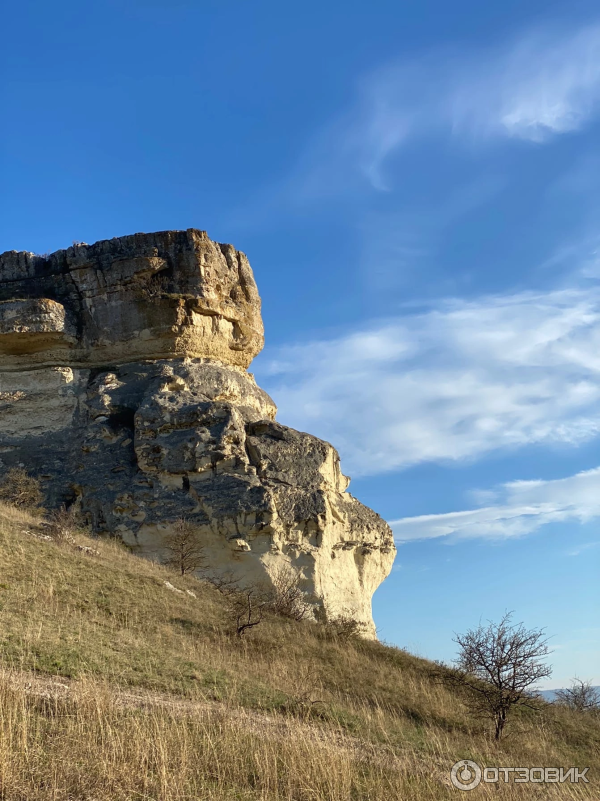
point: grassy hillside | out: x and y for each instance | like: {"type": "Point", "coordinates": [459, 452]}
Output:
{"type": "Point", "coordinates": [115, 686]}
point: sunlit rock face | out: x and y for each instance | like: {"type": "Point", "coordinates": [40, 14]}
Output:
{"type": "Point", "coordinates": [172, 294]}
{"type": "Point", "coordinates": [123, 387]}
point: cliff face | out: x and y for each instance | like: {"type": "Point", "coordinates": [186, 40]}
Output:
{"type": "Point", "coordinates": [123, 386]}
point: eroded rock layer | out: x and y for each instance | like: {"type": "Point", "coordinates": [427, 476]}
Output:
{"type": "Point", "coordinates": [123, 388]}
{"type": "Point", "coordinates": [147, 296]}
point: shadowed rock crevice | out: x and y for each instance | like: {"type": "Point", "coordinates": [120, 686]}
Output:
{"type": "Point", "coordinates": [123, 384]}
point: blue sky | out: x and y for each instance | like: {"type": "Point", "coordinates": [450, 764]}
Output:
{"type": "Point", "coordinates": [417, 186]}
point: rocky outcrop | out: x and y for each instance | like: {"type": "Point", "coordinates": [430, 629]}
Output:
{"type": "Point", "coordinates": [172, 294]}
{"type": "Point", "coordinates": [123, 387]}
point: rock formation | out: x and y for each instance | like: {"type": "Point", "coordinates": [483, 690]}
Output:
{"type": "Point", "coordinates": [123, 387]}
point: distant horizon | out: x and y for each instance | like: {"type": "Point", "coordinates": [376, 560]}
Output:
{"type": "Point", "coordinates": [549, 694]}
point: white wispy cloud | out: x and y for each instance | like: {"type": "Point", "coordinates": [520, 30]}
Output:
{"type": "Point", "coordinates": [544, 84]}
{"type": "Point", "coordinates": [455, 382]}
{"type": "Point", "coordinates": [521, 507]}
{"type": "Point", "coordinates": [535, 87]}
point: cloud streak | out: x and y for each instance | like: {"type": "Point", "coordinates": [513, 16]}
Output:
{"type": "Point", "coordinates": [539, 86]}
{"type": "Point", "coordinates": [453, 383]}
{"type": "Point", "coordinates": [542, 86]}
{"type": "Point", "coordinates": [521, 508]}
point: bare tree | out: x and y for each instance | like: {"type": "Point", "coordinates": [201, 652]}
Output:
{"type": "Point", "coordinates": [580, 696]}
{"type": "Point", "coordinates": [184, 547]}
{"type": "Point", "coordinates": [498, 666]}
{"type": "Point", "coordinates": [21, 490]}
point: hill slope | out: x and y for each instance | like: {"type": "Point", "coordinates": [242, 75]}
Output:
{"type": "Point", "coordinates": [118, 683]}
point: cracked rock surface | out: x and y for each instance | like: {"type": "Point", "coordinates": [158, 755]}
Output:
{"type": "Point", "coordinates": [123, 387]}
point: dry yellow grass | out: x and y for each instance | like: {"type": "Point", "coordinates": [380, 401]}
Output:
{"type": "Point", "coordinates": [161, 702]}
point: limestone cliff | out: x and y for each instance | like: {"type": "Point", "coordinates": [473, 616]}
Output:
{"type": "Point", "coordinates": [123, 387]}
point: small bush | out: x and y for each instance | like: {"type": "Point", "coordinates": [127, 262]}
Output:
{"type": "Point", "coordinates": [286, 596]}
{"type": "Point", "coordinates": [305, 701]}
{"type": "Point", "coordinates": [247, 609]}
{"type": "Point", "coordinates": [247, 604]}
{"type": "Point", "coordinates": [343, 627]}
{"type": "Point", "coordinates": [21, 490]}
{"type": "Point", "coordinates": [62, 523]}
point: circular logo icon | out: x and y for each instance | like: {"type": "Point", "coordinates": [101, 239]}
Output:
{"type": "Point", "coordinates": [465, 774]}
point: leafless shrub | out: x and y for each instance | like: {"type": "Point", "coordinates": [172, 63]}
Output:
{"type": "Point", "coordinates": [21, 490]}
{"type": "Point", "coordinates": [305, 701]}
{"type": "Point", "coordinates": [245, 605]}
{"type": "Point", "coordinates": [184, 547]}
{"type": "Point", "coordinates": [580, 696]}
{"type": "Point", "coordinates": [62, 523]}
{"type": "Point", "coordinates": [497, 667]}
{"type": "Point", "coordinates": [225, 583]}
{"type": "Point", "coordinates": [286, 597]}
{"type": "Point", "coordinates": [248, 610]}
{"type": "Point", "coordinates": [343, 627]}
